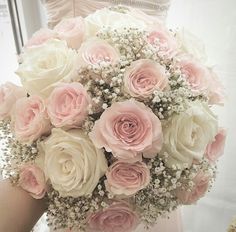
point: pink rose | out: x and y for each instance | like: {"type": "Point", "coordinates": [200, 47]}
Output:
{"type": "Point", "coordinates": [68, 105]}
{"type": "Point", "coordinates": [30, 119]}
{"type": "Point", "coordinates": [217, 92]}
{"type": "Point", "coordinates": [128, 129]}
{"type": "Point", "coordinates": [33, 181]}
{"type": "Point", "coordinates": [160, 37]}
{"type": "Point", "coordinates": [127, 179]}
{"type": "Point", "coordinates": [9, 94]}
{"type": "Point", "coordinates": [201, 185]}
{"type": "Point", "coordinates": [95, 51]}
{"type": "Point", "coordinates": [118, 217]}
{"type": "Point", "coordinates": [143, 77]}
{"type": "Point", "coordinates": [215, 149]}
{"type": "Point", "coordinates": [40, 37]}
{"type": "Point", "coordinates": [196, 74]}
{"type": "Point", "coordinates": [72, 31]}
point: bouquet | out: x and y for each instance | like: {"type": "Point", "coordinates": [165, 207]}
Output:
{"type": "Point", "coordinates": [113, 123]}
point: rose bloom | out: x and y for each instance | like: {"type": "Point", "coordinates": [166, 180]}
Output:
{"type": "Point", "coordinates": [32, 180]}
{"type": "Point", "coordinates": [68, 105]}
{"type": "Point", "coordinates": [72, 163]}
{"type": "Point", "coordinates": [40, 37]}
{"type": "Point", "coordinates": [118, 217]}
{"type": "Point", "coordinates": [128, 129]}
{"type": "Point", "coordinates": [72, 31]}
{"type": "Point", "coordinates": [201, 185]}
{"type": "Point", "coordinates": [30, 120]}
{"type": "Point", "coordinates": [189, 43]}
{"type": "Point", "coordinates": [217, 92]}
{"type": "Point", "coordinates": [94, 51]}
{"type": "Point", "coordinates": [215, 149]}
{"type": "Point", "coordinates": [162, 38]}
{"type": "Point", "coordinates": [126, 179]}
{"type": "Point", "coordinates": [47, 65]}
{"type": "Point", "coordinates": [196, 74]}
{"type": "Point", "coordinates": [143, 77]}
{"type": "Point", "coordinates": [9, 94]}
{"type": "Point", "coordinates": [112, 19]}
{"type": "Point", "coordinates": [187, 134]}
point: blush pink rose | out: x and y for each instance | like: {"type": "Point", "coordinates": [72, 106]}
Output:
{"type": "Point", "coordinates": [128, 129]}
{"type": "Point", "coordinates": [30, 120]}
{"type": "Point", "coordinates": [160, 37]}
{"type": "Point", "coordinates": [215, 149]}
{"type": "Point", "coordinates": [40, 37]}
{"type": "Point", "coordinates": [68, 105]}
{"type": "Point", "coordinates": [95, 51]}
{"type": "Point", "coordinates": [126, 179]}
{"type": "Point", "coordinates": [32, 180]}
{"type": "Point", "coordinates": [72, 31]}
{"type": "Point", "coordinates": [196, 74]}
{"type": "Point", "coordinates": [201, 185]}
{"type": "Point", "coordinates": [217, 92]}
{"type": "Point", "coordinates": [143, 77]}
{"type": "Point", "coordinates": [118, 217]}
{"type": "Point", "coordinates": [9, 94]}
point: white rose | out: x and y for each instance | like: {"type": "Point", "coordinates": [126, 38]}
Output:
{"type": "Point", "coordinates": [109, 18]}
{"type": "Point", "coordinates": [187, 134]}
{"type": "Point", "coordinates": [72, 163]}
{"type": "Point", "coordinates": [46, 65]}
{"type": "Point", "coordinates": [191, 44]}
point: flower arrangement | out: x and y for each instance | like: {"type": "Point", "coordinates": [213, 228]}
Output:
{"type": "Point", "coordinates": [113, 122]}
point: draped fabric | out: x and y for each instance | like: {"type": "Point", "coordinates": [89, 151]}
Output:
{"type": "Point", "coordinates": [59, 9]}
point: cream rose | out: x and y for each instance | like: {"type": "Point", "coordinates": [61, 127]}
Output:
{"type": "Point", "coordinates": [126, 179]}
{"type": "Point", "coordinates": [115, 20]}
{"type": "Point", "coordinates": [143, 77]}
{"type": "Point", "coordinates": [189, 43]}
{"type": "Point", "coordinates": [9, 94]}
{"type": "Point", "coordinates": [72, 163]}
{"type": "Point", "coordinates": [72, 31]}
{"type": "Point", "coordinates": [43, 67]}
{"type": "Point", "coordinates": [187, 134]}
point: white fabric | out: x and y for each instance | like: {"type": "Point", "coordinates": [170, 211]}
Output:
{"type": "Point", "coordinates": [58, 9]}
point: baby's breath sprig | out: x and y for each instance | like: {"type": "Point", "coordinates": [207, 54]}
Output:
{"type": "Point", "coordinates": [15, 154]}
{"type": "Point", "coordinates": [130, 42]}
{"type": "Point", "coordinates": [69, 212]}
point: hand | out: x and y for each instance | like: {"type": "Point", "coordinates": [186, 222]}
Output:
{"type": "Point", "coordinates": [19, 212]}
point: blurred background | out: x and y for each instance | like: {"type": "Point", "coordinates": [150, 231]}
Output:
{"type": "Point", "coordinates": [214, 22]}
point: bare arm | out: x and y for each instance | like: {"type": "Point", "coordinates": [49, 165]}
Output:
{"type": "Point", "coordinates": [19, 212]}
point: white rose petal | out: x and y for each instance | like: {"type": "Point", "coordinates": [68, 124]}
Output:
{"type": "Point", "coordinates": [115, 20]}
{"type": "Point", "coordinates": [44, 66]}
{"type": "Point", "coordinates": [191, 44]}
{"type": "Point", "coordinates": [186, 135]}
{"type": "Point", "coordinates": [72, 163]}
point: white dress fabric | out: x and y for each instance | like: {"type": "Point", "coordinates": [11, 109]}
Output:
{"type": "Point", "coordinates": [58, 9]}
